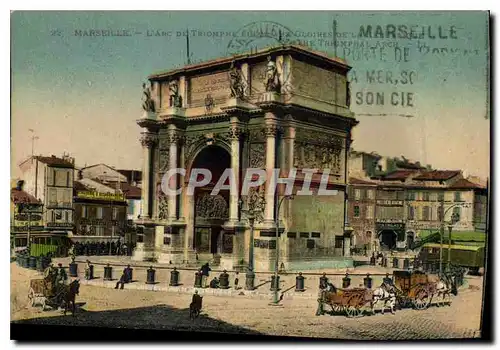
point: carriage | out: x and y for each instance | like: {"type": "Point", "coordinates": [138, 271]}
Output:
{"type": "Point", "coordinates": [414, 288]}
{"type": "Point", "coordinates": [350, 301]}
{"type": "Point", "coordinates": [45, 293]}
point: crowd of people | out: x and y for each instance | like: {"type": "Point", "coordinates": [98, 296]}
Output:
{"type": "Point", "coordinates": [103, 248]}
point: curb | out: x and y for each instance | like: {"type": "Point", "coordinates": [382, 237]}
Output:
{"type": "Point", "coordinates": [190, 290]}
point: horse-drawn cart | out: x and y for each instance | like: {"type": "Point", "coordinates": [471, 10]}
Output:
{"type": "Point", "coordinates": [414, 288]}
{"type": "Point", "coordinates": [43, 293]}
{"type": "Point", "coordinates": [351, 301]}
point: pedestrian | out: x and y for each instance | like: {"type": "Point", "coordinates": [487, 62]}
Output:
{"type": "Point", "coordinates": [125, 277]}
{"type": "Point", "coordinates": [87, 270]}
{"type": "Point", "coordinates": [236, 281]}
{"type": "Point", "coordinates": [205, 272]}
{"type": "Point", "coordinates": [62, 277]}
{"type": "Point", "coordinates": [214, 283]}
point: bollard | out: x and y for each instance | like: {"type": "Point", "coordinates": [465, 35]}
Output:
{"type": "Point", "coordinates": [73, 269]}
{"type": "Point", "coordinates": [39, 264]}
{"type": "Point", "coordinates": [299, 283]}
{"type": "Point", "coordinates": [174, 277]}
{"type": "Point", "coordinates": [275, 283]}
{"type": "Point", "coordinates": [151, 276]}
{"type": "Point", "coordinates": [395, 263]}
{"type": "Point", "coordinates": [197, 279]}
{"type": "Point", "coordinates": [323, 281]}
{"type": "Point", "coordinates": [108, 273]}
{"type": "Point", "coordinates": [32, 263]}
{"type": "Point", "coordinates": [387, 279]}
{"type": "Point", "coordinates": [346, 281]}
{"type": "Point", "coordinates": [224, 280]}
{"type": "Point", "coordinates": [368, 281]}
{"type": "Point", "coordinates": [406, 263]}
{"type": "Point", "coordinates": [249, 280]}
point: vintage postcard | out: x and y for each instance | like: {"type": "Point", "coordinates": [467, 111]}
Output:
{"type": "Point", "coordinates": [267, 174]}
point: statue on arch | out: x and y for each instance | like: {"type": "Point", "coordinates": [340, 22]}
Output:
{"type": "Point", "coordinates": [147, 102]}
{"type": "Point", "coordinates": [271, 81]}
{"type": "Point", "coordinates": [175, 97]}
{"type": "Point", "coordinates": [236, 79]}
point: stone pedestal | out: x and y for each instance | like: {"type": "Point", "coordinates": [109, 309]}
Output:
{"type": "Point", "coordinates": [143, 252]}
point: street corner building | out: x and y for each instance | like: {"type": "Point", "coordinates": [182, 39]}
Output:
{"type": "Point", "coordinates": [282, 107]}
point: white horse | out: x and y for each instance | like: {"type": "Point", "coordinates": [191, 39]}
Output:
{"type": "Point", "coordinates": [444, 288]}
{"type": "Point", "coordinates": [386, 295]}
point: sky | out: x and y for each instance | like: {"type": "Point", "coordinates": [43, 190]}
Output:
{"type": "Point", "coordinates": [81, 94]}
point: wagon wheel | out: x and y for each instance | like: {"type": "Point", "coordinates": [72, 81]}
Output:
{"type": "Point", "coordinates": [421, 300]}
{"type": "Point", "coordinates": [353, 311]}
{"type": "Point", "coordinates": [355, 303]}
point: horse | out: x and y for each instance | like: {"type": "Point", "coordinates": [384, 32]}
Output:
{"type": "Point", "coordinates": [445, 287]}
{"type": "Point", "coordinates": [385, 293]}
{"type": "Point", "coordinates": [326, 295]}
{"type": "Point", "coordinates": [69, 294]}
{"type": "Point", "coordinates": [195, 306]}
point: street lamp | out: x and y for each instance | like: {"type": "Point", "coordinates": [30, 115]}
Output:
{"type": "Point", "coordinates": [276, 263]}
{"type": "Point", "coordinates": [454, 219]}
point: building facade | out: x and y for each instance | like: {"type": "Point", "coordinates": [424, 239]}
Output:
{"type": "Point", "coordinates": [362, 204]}
{"type": "Point", "coordinates": [269, 109]}
{"type": "Point", "coordinates": [99, 217]}
{"type": "Point", "coordinates": [50, 180]}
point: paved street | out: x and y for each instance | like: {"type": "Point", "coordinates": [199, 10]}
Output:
{"type": "Point", "coordinates": [241, 314]}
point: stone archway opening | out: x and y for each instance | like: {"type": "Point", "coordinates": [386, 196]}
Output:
{"type": "Point", "coordinates": [387, 239]}
{"type": "Point", "coordinates": [211, 211]}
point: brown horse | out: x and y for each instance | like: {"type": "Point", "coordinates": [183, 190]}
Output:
{"type": "Point", "coordinates": [69, 294]}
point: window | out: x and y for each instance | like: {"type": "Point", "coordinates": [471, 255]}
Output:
{"type": "Point", "coordinates": [425, 213]}
{"type": "Point", "coordinates": [115, 213]}
{"type": "Point", "coordinates": [356, 211]}
{"type": "Point", "coordinates": [99, 213]}
{"type": "Point", "coordinates": [411, 213]}
{"type": "Point", "coordinates": [425, 196]}
{"type": "Point", "coordinates": [130, 208]}
{"type": "Point", "coordinates": [369, 211]}
{"type": "Point", "coordinates": [456, 212]}
{"type": "Point", "coordinates": [458, 197]}
{"type": "Point", "coordinates": [370, 194]}
{"type": "Point", "coordinates": [440, 196]}
{"type": "Point", "coordinates": [339, 241]}
{"type": "Point", "coordinates": [67, 180]}
{"type": "Point", "coordinates": [357, 194]}
{"type": "Point", "coordinates": [84, 211]}
{"type": "Point", "coordinates": [411, 196]}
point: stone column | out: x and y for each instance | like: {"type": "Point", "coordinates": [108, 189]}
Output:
{"type": "Point", "coordinates": [147, 141]}
{"type": "Point", "coordinates": [235, 134]}
{"type": "Point", "coordinates": [271, 131]}
{"type": "Point", "coordinates": [173, 136]}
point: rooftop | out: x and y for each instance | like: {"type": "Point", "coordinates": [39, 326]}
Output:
{"type": "Point", "coordinates": [399, 174]}
{"type": "Point", "coordinates": [19, 196]}
{"type": "Point", "coordinates": [55, 161]}
{"type": "Point", "coordinates": [437, 175]}
{"type": "Point", "coordinates": [355, 181]}
{"type": "Point", "coordinates": [315, 57]}
{"type": "Point", "coordinates": [465, 184]}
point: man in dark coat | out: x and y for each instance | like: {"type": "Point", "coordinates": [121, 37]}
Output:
{"type": "Point", "coordinates": [125, 277]}
{"type": "Point", "coordinates": [205, 271]}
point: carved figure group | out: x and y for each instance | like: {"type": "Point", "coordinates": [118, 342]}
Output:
{"type": "Point", "coordinates": [209, 206]}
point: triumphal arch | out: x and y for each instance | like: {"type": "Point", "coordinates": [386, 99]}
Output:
{"type": "Point", "coordinates": [283, 107]}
